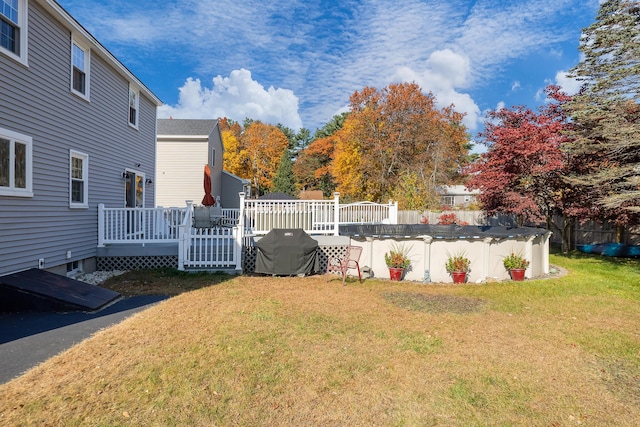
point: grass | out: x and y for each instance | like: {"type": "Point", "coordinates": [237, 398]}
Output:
{"type": "Point", "coordinates": [259, 351]}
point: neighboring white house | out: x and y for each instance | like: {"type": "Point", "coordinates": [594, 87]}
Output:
{"type": "Point", "coordinates": [184, 147]}
{"type": "Point", "coordinates": [77, 129]}
{"type": "Point", "coordinates": [457, 195]}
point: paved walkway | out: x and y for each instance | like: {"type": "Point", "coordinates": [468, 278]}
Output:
{"type": "Point", "coordinates": [28, 339]}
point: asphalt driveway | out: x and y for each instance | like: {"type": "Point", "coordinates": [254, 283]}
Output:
{"type": "Point", "coordinates": [30, 338]}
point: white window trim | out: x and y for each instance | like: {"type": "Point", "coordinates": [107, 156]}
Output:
{"type": "Point", "coordinates": [85, 178]}
{"type": "Point", "coordinates": [28, 141]}
{"type": "Point", "coordinates": [87, 70]}
{"type": "Point", "coordinates": [133, 88]}
{"type": "Point", "coordinates": [23, 13]}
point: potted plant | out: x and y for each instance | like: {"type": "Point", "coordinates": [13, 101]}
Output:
{"type": "Point", "coordinates": [516, 265]}
{"type": "Point", "coordinates": [397, 259]}
{"type": "Point", "coordinates": [458, 267]}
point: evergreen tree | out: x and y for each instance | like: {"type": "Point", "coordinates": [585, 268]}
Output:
{"type": "Point", "coordinates": [284, 181]}
{"type": "Point", "coordinates": [606, 113]}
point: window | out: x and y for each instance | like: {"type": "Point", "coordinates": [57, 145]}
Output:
{"type": "Point", "coordinates": [15, 164]}
{"type": "Point", "coordinates": [133, 106]}
{"type": "Point", "coordinates": [78, 180]}
{"type": "Point", "coordinates": [13, 29]}
{"type": "Point", "coordinates": [80, 69]}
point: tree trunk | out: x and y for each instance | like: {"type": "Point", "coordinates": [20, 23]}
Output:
{"type": "Point", "coordinates": [567, 233]}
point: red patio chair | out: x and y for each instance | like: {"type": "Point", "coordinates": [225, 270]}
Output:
{"type": "Point", "coordinates": [350, 260]}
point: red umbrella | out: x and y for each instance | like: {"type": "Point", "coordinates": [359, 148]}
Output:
{"type": "Point", "coordinates": [208, 198]}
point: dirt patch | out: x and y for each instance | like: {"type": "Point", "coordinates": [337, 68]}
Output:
{"type": "Point", "coordinates": [163, 281]}
{"type": "Point", "coordinates": [435, 303]}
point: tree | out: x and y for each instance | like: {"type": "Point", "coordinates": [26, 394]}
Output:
{"type": "Point", "coordinates": [253, 152]}
{"type": "Point", "coordinates": [393, 133]}
{"type": "Point", "coordinates": [284, 180]}
{"type": "Point", "coordinates": [236, 158]}
{"type": "Point", "coordinates": [606, 111]}
{"type": "Point", "coordinates": [297, 140]}
{"type": "Point", "coordinates": [522, 171]}
{"type": "Point", "coordinates": [264, 145]}
{"type": "Point", "coordinates": [313, 165]}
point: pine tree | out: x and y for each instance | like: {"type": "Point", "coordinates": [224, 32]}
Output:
{"type": "Point", "coordinates": [284, 182]}
{"type": "Point", "coordinates": [606, 113]}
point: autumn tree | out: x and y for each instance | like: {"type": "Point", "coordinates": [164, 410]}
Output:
{"type": "Point", "coordinates": [236, 158]}
{"type": "Point", "coordinates": [522, 171]}
{"type": "Point", "coordinates": [313, 165]}
{"type": "Point", "coordinates": [253, 151]}
{"type": "Point", "coordinates": [393, 136]}
{"type": "Point", "coordinates": [606, 112]}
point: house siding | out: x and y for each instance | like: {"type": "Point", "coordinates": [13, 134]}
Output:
{"type": "Point", "coordinates": [180, 173]}
{"type": "Point", "coordinates": [37, 101]}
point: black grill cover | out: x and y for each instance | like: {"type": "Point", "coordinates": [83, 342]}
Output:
{"type": "Point", "coordinates": [287, 251]}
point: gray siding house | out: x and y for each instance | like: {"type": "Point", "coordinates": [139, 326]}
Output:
{"type": "Point", "coordinates": [77, 128]}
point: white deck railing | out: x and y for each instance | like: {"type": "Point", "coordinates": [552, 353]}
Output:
{"type": "Point", "coordinates": [138, 225]}
{"type": "Point", "coordinates": [258, 217]}
{"type": "Point", "coordinates": [313, 216]}
{"type": "Point", "coordinates": [369, 213]}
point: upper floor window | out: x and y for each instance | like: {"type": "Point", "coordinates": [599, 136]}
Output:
{"type": "Point", "coordinates": [78, 179]}
{"type": "Point", "coordinates": [15, 164]}
{"type": "Point", "coordinates": [134, 105]}
{"type": "Point", "coordinates": [13, 29]}
{"type": "Point", "coordinates": [80, 64]}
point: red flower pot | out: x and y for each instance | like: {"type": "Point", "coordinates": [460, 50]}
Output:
{"type": "Point", "coordinates": [395, 273]}
{"type": "Point", "coordinates": [459, 276]}
{"type": "Point", "coordinates": [517, 274]}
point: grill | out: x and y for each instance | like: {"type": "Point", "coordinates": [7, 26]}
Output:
{"type": "Point", "coordinates": [287, 252]}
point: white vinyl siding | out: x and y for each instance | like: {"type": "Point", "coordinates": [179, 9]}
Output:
{"type": "Point", "coordinates": [180, 172]}
{"type": "Point", "coordinates": [80, 67]}
{"type": "Point", "coordinates": [16, 164]}
{"type": "Point", "coordinates": [13, 29]}
{"type": "Point", "coordinates": [78, 180]}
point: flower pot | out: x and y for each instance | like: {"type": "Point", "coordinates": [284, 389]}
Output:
{"type": "Point", "coordinates": [459, 276]}
{"type": "Point", "coordinates": [396, 273]}
{"type": "Point", "coordinates": [517, 274]}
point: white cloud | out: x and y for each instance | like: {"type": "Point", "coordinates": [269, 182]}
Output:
{"type": "Point", "coordinates": [236, 97]}
{"type": "Point", "coordinates": [515, 86]}
{"type": "Point", "coordinates": [446, 72]}
{"type": "Point", "coordinates": [568, 84]}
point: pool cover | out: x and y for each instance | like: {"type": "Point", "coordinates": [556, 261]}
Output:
{"type": "Point", "coordinates": [439, 231]}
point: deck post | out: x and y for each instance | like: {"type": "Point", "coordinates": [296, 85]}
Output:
{"type": "Point", "coordinates": [393, 212]}
{"type": "Point", "coordinates": [101, 227]}
{"type": "Point", "coordinates": [184, 229]}
{"type": "Point", "coordinates": [336, 213]}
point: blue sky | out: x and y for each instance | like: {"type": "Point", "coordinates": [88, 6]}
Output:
{"type": "Point", "coordinates": [296, 62]}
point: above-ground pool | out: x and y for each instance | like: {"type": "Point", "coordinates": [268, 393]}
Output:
{"type": "Point", "coordinates": [430, 245]}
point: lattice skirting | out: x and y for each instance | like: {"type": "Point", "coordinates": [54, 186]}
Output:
{"type": "Point", "coordinates": [136, 262]}
{"type": "Point", "coordinates": [249, 255]}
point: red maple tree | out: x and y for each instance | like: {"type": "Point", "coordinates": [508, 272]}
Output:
{"type": "Point", "coordinates": [522, 172]}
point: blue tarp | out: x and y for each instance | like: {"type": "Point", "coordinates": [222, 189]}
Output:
{"type": "Point", "coordinates": [611, 249]}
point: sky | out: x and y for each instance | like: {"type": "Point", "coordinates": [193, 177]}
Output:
{"type": "Point", "coordinates": [297, 62]}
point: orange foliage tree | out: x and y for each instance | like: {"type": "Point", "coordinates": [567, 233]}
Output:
{"type": "Point", "coordinates": [236, 159]}
{"type": "Point", "coordinates": [254, 152]}
{"type": "Point", "coordinates": [394, 136]}
{"type": "Point", "coordinates": [312, 168]}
